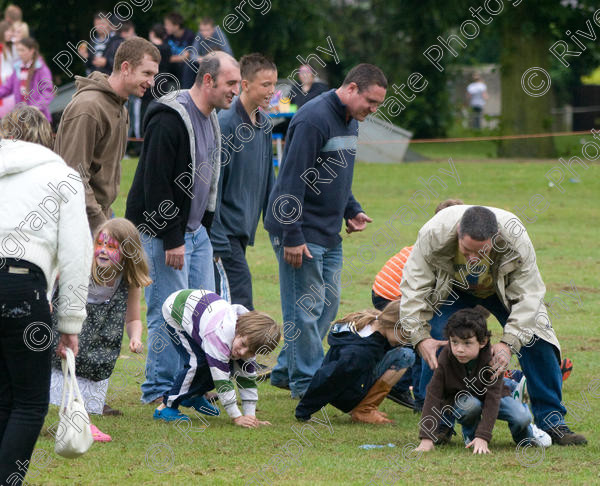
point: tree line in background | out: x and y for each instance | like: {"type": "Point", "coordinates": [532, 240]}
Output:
{"type": "Point", "coordinates": [393, 35]}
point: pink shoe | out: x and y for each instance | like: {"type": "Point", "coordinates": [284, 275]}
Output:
{"type": "Point", "coordinates": [98, 435]}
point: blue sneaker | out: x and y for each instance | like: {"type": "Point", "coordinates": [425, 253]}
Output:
{"type": "Point", "coordinates": [169, 415]}
{"type": "Point", "coordinates": [202, 405]}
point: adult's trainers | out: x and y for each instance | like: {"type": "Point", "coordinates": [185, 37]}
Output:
{"type": "Point", "coordinates": [563, 435]}
{"type": "Point", "coordinates": [169, 414]}
{"type": "Point", "coordinates": [402, 398]}
{"type": "Point", "coordinates": [202, 405]}
{"type": "Point", "coordinates": [520, 392]}
{"type": "Point", "coordinates": [540, 438]}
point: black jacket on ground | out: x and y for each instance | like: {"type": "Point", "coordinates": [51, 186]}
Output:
{"type": "Point", "coordinates": [346, 374]}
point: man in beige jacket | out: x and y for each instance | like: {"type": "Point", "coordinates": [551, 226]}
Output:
{"type": "Point", "coordinates": [92, 134]}
{"type": "Point", "coordinates": [470, 255]}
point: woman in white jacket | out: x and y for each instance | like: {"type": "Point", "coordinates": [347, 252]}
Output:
{"type": "Point", "coordinates": [43, 232]}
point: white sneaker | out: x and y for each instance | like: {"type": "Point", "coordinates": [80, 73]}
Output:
{"type": "Point", "coordinates": [520, 392]}
{"type": "Point", "coordinates": [540, 438]}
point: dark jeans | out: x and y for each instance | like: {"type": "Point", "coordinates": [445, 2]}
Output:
{"type": "Point", "coordinates": [540, 361]}
{"type": "Point", "coordinates": [237, 277]}
{"type": "Point", "coordinates": [25, 349]}
{"type": "Point", "coordinates": [413, 373]}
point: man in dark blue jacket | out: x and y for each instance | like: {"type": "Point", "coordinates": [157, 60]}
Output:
{"type": "Point", "coordinates": [304, 217]}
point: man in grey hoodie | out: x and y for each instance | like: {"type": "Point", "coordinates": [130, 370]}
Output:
{"type": "Point", "coordinates": [92, 134]}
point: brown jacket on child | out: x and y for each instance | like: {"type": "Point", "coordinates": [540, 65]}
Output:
{"type": "Point", "coordinates": [450, 382]}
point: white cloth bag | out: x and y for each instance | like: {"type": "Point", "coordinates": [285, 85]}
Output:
{"type": "Point", "coordinates": [74, 436]}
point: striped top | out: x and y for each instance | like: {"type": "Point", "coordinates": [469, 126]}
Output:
{"type": "Point", "coordinates": [211, 322]}
{"type": "Point", "coordinates": [387, 281]}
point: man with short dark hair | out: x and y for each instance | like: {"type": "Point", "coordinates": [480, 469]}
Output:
{"type": "Point", "coordinates": [247, 177]}
{"type": "Point", "coordinates": [472, 255]}
{"type": "Point", "coordinates": [92, 133]}
{"type": "Point", "coordinates": [173, 198]}
{"type": "Point", "coordinates": [311, 197]}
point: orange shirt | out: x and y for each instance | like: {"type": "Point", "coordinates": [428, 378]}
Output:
{"type": "Point", "coordinates": [387, 281]}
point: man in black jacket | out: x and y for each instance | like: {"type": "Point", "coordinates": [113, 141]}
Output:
{"type": "Point", "coordinates": [173, 198]}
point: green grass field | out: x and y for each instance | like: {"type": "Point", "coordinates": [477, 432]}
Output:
{"type": "Point", "coordinates": [565, 235]}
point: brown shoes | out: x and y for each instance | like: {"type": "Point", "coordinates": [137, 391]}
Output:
{"type": "Point", "coordinates": [366, 411]}
{"type": "Point", "coordinates": [563, 435]}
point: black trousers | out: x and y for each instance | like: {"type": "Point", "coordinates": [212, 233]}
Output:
{"type": "Point", "coordinates": [237, 275]}
{"type": "Point", "coordinates": [25, 349]}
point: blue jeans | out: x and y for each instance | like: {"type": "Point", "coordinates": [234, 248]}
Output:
{"type": "Point", "coordinates": [163, 362]}
{"type": "Point", "coordinates": [512, 411]}
{"type": "Point", "coordinates": [395, 359]}
{"type": "Point", "coordinates": [540, 362]}
{"type": "Point", "coordinates": [412, 375]}
{"type": "Point", "coordinates": [310, 296]}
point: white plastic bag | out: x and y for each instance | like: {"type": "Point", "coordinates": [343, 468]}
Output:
{"type": "Point", "coordinates": [73, 436]}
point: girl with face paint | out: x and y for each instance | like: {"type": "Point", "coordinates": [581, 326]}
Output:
{"type": "Point", "coordinates": [119, 271]}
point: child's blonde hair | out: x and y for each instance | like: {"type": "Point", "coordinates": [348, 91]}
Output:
{"type": "Point", "coordinates": [133, 264]}
{"type": "Point", "coordinates": [260, 331]}
{"type": "Point", "coordinates": [388, 318]}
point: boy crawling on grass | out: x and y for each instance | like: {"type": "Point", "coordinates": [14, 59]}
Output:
{"type": "Point", "coordinates": [464, 385]}
{"type": "Point", "coordinates": [215, 340]}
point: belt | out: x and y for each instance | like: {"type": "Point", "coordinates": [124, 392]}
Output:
{"type": "Point", "coordinates": [20, 267]}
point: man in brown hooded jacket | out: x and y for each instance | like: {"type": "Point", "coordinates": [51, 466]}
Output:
{"type": "Point", "coordinates": [92, 134]}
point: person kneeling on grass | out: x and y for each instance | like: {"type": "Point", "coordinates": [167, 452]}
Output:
{"type": "Point", "coordinates": [359, 369]}
{"type": "Point", "coordinates": [215, 339]}
{"type": "Point", "coordinates": [465, 383]}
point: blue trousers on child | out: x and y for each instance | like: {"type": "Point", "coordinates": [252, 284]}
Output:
{"type": "Point", "coordinates": [194, 378]}
{"type": "Point", "coordinates": [540, 362]}
{"type": "Point", "coordinates": [395, 359]}
{"type": "Point", "coordinates": [512, 411]}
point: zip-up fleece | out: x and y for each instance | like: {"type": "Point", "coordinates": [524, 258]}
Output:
{"type": "Point", "coordinates": [159, 200]}
{"type": "Point", "coordinates": [91, 138]}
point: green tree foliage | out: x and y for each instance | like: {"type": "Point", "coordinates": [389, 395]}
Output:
{"type": "Point", "coordinates": [393, 35]}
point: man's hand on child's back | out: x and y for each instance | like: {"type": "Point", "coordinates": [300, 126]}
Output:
{"type": "Point", "coordinates": [480, 446]}
{"type": "Point", "coordinates": [426, 445]}
{"type": "Point", "coordinates": [501, 359]}
{"type": "Point", "coordinates": [428, 351]}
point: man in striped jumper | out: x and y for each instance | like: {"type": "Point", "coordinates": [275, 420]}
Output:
{"type": "Point", "coordinates": [386, 289]}
{"type": "Point", "coordinates": [217, 342]}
